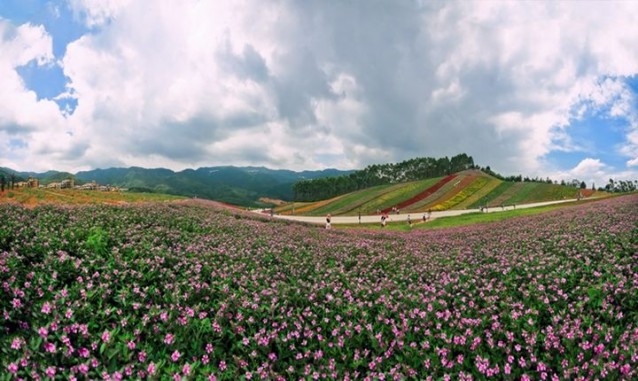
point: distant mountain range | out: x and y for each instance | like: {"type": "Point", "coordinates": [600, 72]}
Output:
{"type": "Point", "coordinates": [235, 185]}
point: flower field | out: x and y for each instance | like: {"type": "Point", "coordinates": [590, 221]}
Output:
{"type": "Point", "coordinates": [188, 291]}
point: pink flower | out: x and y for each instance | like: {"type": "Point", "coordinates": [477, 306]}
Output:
{"type": "Point", "coordinates": [83, 368]}
{"type": "Point", "coordinates": [175, 356]}
{"type": "Point", "coordinates": [131, 345]}
{"type": "Point", "coordinates": [13, 368]}
{"type": "Point", "coordinates": [186, 369]}
{"type": "Point", "coordinates": [168, 339]}
{"type": "Point", "coordinates": [212, 378]}
{"type": "Point", "coordinates": [50, 372]}
{"type": "Point", "coordinates": [222, 365]}
{"type": "Point", "coordinates": [151, 368]}
{"type": "Point", "coordinates": [141, 357]}
{"type": "Point", "coordinates": [625, 369]}
{"type": "Point", "coordinates": [16, 303]}
{"type": "Point", "coordinates": [49, 347]}
{"type": "Point", "coordinates": [106, 336]}
{"type": "Point", "coordinates": [16, 343]}
{"type": "Point", "coordinates": [46, 308]}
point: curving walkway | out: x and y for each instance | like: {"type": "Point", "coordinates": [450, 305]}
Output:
{"type": "Point", "coordinates": [404, 216]}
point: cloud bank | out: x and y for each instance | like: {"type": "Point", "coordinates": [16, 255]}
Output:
{"type": "Point", "coordinates": [313, 84]}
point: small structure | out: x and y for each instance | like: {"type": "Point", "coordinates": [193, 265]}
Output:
{"type": "Point", "coordinates": [67, 184]}
{"type": "Point", "coordinates": [32, 182]}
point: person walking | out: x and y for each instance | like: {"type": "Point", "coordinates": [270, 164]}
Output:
{"type": "Point", "coordinates": [328, 221]}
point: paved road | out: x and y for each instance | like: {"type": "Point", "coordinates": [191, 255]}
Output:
{"type": "Point", "coordinates": [414, 216]}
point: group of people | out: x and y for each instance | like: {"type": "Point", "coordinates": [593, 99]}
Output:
{"type": "Point", "coordinates": [385, 217]}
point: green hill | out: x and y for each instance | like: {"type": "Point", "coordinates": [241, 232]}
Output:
{"type": "Point", "coordinates": [469, 189]}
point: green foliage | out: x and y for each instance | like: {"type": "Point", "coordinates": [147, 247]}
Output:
{"type": "Point", "coordinates": [97, 241]}
{"type": "Point", "coordinates": [487, 199]}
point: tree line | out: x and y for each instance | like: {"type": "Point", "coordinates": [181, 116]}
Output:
{"type": "Point", "coordinates": [8, 183]}
{"type": "Point", "coordinates": [621, 186]}
{"type": "Point", "coordinates": [380, 174]}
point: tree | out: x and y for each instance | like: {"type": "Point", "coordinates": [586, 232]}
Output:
{"type": "Point", "coordinates": [583, 185]}
{"type": "Point", "coordinates": [2, 183]}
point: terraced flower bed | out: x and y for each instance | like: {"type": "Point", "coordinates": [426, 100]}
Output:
{"type": "Point", "coordinates": [189, 291]}
{"type": "Point", "coordinates": [468, 187]}
{"type": "Point", "coordinates": [424, 194]}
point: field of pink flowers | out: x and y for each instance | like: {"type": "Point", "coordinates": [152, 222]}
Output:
{"type": "Point", "coordinates": [188, 291]}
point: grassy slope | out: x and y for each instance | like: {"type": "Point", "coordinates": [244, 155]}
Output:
{"type": "Point", "coordinates": [498, 197]}
{"type": "Point", "coordinates": [466, 188]}
{"type": "Point", "coordinates": [432, 199]}
{"type": "Point", "coordinates": [287, 208]}
{"type": "Point", "coordinates": [488, 188]}
{"type": "Point", "coordinates": [356, 199]}
{"type": "Point", "coordinates": [309, 208]}
{"type": "Point", "coordinates": [368, 200]}
{"type": "Point", "coordinates": [32, 197]}
{"type": "Point", "coordinates": [546, 192]}
{"type": "Point", "coordinates": [397, 196]}
{"type": "Point", "coordinates": [465, 219]}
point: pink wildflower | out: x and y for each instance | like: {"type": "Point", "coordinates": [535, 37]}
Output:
{"type": "Point", "coordinates": [50, 372]}
{"type": "Point", "coordinates": [17, 343]}
{"type": "Point", "coordinates": [13, 368]}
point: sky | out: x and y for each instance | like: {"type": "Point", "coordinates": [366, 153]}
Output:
{"type": "Point", "coordinates": [534, 88]}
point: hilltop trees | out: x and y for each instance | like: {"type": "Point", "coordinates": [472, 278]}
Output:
{"type": "Point", "coordinates": [379, 174]}
{"type": "Point", "coordinates": [621, 186]}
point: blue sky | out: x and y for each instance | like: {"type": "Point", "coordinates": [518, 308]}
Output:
{"type": "Point", "coordinates": [538, 88]}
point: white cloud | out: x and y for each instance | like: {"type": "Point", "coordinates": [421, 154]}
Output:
{"type": "Point", "coordinates": [25, 120]}
{"type": "Point", "coordinates": [313, 84]}
{"type": "Point", "coordinates": [594, 171]}
{"type": "Point", "coordinates": [97, 13]}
